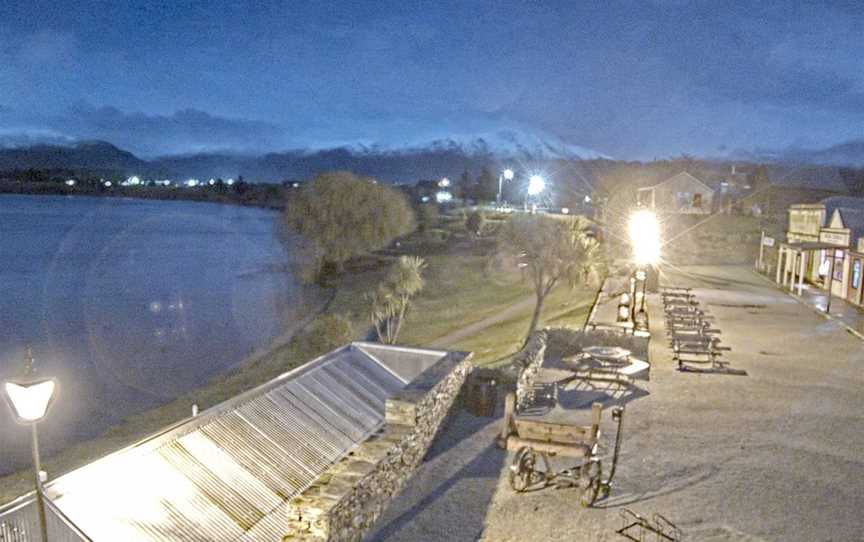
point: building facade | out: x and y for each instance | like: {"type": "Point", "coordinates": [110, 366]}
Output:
{"type": "Point", "coordinates": [825, 247]}
{"type": "Point", "coordinates": [681, 193]}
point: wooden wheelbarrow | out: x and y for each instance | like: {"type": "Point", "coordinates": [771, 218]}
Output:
{"type": "Point", "coordinates": [536, 441]}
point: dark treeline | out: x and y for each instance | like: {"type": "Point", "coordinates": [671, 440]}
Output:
{"type": "Point", "coordinates": [108, 183]}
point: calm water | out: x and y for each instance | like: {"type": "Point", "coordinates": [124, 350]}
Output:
{"type": "Point", "coordinates": [130, 303]}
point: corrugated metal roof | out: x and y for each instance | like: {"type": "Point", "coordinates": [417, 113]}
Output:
{"type": "Point", "coordinates": [227, 475]}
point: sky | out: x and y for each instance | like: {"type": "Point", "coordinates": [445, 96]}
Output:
{"type": "Point", "coordinates": [633, 80]}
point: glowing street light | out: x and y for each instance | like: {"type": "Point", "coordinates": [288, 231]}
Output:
{"type": "Point", "coordinates": [29, 398]}
{"type": "Point", "coordinates": [645, 237]}
{"type": "Point", "coordinates": [536, 184]}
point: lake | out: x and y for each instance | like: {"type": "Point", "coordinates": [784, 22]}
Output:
{"type": "Point", "coordinates": [130, 303]}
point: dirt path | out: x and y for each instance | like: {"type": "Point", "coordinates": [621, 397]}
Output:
{"type": "Point", "coordinates": [451, 338]}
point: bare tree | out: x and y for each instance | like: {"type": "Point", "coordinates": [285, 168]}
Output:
{"type": "Point", "coordinates": [553, 251]}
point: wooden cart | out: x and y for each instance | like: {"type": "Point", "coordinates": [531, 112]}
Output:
{"type": "Point", "coordinates": [536, 441]}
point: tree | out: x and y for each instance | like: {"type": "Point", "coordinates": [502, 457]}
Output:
{"type": "Point", "coordinates": [465, 186]}
{"type": "Point", "coordinates": [553, 251]}
{"type": "Point", "coordinates": [339, 216]}
{"type": "Point", "coordinates": [427, 217]}
{"type": "Point", "coordinates": [474, 223]}
{"type": "Point", "coordinates": [487, 185]}
{"type": "Point", "coordinates": [391, 300]}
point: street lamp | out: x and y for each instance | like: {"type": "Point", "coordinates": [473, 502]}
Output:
{"type": "Point", "coordinates": [506, 175]}
{"type": "Point", "coordinates": [645, 237]}
{"type": "Point", "coordinates": [29, 398]}
{"type": "Point", "coordinates": [536, 184]}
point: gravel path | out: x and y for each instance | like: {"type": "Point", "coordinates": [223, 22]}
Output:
{"type": "Point", "coordinates": [775, 455]}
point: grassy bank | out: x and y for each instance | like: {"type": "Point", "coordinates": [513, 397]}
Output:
{"type": "Point", "coordinates": [462, 291]}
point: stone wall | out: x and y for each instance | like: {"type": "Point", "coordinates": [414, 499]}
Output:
{"type": "Point", "coordinates": [345, 502]}
{"type": "Point", "coordinates": [528, 362]}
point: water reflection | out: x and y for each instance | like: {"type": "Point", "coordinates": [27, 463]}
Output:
{"type": "Point", "coordinates": [131, 302]}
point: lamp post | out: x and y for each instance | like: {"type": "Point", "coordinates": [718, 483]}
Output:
{"type": "Point", "coordinates": [506, 175]}
{"type": "Point", "coordinates": [536, 184]}
{"type": "Point", "coordinates": [644, 233]}
{"type": "Point", "coordinates": [29, 398]}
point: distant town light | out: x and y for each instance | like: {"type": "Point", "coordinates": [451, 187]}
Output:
{"type": "Point", "coordinates": [443, 196]}
{"type": "Point", "coordinates": [192, 183]}
{"type": "Point", "coordinates": [134, 180]}
{"type": "Point", "coordinates": [645, 237]}
{"type": "Point", "coordinates": [425, 199]}
{"type": "Point", "coordinates": [508, 174]}
{"type": "Point", "coordinates": [565, 211]}
{"type": "Point", "coordinates": [211, 182]}
{"type": "Point", "coordinates": [229, 182]}
{"type": "Point", "coordinates": [587, 199]}
{"type": "Point", "coordinates": [108, 184]}
{"type": "Point", "coordinates": [536, 184]}
{"type": "Point", "coordinates": [444, 183]}
{"type": "Point", "coordinates": [70, 182]}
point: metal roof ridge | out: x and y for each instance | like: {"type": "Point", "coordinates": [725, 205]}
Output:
{"type": "Point", "coordinates": [384, 366]}
{"type": "Point", "coordinates": [194, 422]}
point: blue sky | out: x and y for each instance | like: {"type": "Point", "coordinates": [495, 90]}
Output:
{"type": "Point", "coordinates": [628, 79]}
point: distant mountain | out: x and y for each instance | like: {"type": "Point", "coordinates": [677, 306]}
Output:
{"type": "Point", "coordinates": [850, 154]}
{"type": "Point", "coordinates": [442, 157]}
{"type": "Point", "coordinates": [82, 155]}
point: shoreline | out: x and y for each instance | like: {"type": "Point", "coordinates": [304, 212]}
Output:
{"type": "Point", "coordinates": [261, 195]}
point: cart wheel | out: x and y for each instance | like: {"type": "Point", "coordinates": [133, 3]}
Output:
{"type": "Point", "coordinates": [590, 480]}
{"type": "Point", "coordinates": [522, 471]}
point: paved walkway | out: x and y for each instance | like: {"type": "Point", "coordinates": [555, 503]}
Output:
{"type": "Point", "coordinates": [775, 455]}
{"type": "Point", "coordinates": [847, 313]}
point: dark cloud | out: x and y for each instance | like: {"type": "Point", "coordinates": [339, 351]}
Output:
{"type": "Point", "coordinates": [628, 79]}
{"type": "Point", "coordinates": [184, 131]}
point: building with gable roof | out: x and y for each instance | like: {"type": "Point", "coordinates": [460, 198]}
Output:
{"type": "Point", "coordinates": [681, 193]}
{"type": "Point", "coordinates": [825, 246]}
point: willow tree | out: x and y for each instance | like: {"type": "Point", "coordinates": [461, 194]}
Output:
{"type": "Point", "coordinates": [339, 216]}
{"type": "Point", "coordinates": [392, 297]}
{"type": "Point", "coordinates": [553, 251]}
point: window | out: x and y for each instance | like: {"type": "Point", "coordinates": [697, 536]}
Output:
{"type": "Point", "coordinates": [838, 265]}
{"type": "Point", "coordinates": [856, 273]}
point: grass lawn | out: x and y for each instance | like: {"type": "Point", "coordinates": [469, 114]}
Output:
{"type": "Point", "coordinates": [460, 290]}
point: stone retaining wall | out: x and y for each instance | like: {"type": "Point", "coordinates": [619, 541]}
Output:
{"type": "Point", "coordinates": [528, 362]}
{"type": "Point", "coordinates": [345, 502]}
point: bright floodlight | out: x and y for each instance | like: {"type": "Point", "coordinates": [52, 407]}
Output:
{"type": "Point", "coordinates": [536, 184]}
{"type": "Point", "coordinates": [30, 402]}
{"type": "Point", "coordinates": [645, 237]}
{"type": "Point", "coordinates": [508, 174]}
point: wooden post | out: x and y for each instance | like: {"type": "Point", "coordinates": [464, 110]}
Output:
{"type": "Point", "coordinates": [596, 414]}
{"type": "Point", "coordinates": [761, 250]}
{"type": "Point", "coordinates": [780, 253]}
{"type": "Point", "coordinates": [801, 273]}
{"type": "Point", "coordinates": [509, 413]}
{"type": "Point", "coordinates": [792, 272]}
{"type": "Point", "coordinates": [830, 283]}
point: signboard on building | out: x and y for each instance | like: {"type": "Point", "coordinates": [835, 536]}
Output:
{"type": "Point", "coordinates": [839, 239]}
{"type": "Point", "coordinates": [768, 241]}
